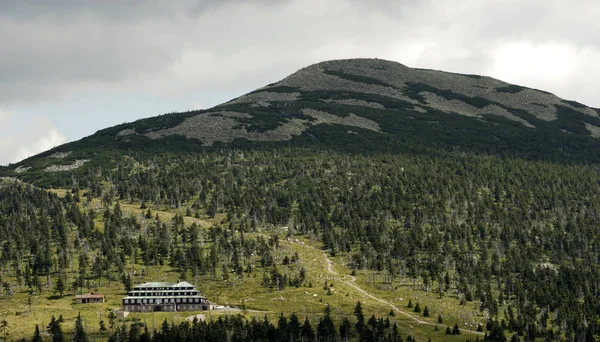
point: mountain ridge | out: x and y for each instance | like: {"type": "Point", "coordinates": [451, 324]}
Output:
{"type": "Point", "coordinates": [363, 104]}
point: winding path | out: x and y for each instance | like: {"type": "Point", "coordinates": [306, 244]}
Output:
{"type": "Point", "coordinates": [352, 284]}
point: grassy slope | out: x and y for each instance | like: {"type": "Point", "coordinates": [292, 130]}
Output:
{"type": "Point", "coordinates": [245, 292]}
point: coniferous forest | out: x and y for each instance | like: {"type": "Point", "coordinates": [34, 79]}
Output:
{"type": "Point", "coordinates": [356, 200]}
{"type": "Point", "coordinates": [518, 238]}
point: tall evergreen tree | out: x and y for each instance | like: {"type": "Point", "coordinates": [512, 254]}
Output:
{"type": "Point", "coordinates": [326, 329]}
{"type": "Point", "coordinates": [79, 335]}
{"type": "Point", "coordinates": [55, 330]}
{"type": "Point", "coordinates": [37, 337]}
{"type": "Point", "coordinates": [308, 332]}
{"type": "Point", "coordinates": [360, 317]}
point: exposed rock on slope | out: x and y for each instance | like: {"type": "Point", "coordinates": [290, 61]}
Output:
{"type": "Point", "coordinates": [368, 83]}
{"type": "Point", "coordinates": [222, 126]}
{"type": "Point", "coordinates": [358, 105]}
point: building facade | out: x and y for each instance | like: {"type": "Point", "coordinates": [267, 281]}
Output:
{"type": "Point", "coordinates": [150, 297]}
{"type": "Point", "coordinates": [89, 298]}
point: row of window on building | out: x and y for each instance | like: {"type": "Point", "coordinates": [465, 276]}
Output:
{"type": "Point", "coordinates": [161, 301]}
{"type": "Point", "coordinates": [149, 308]}
{"type": "Point", "coordinates": [142, 294]}
{"type": "Point", "coordinates": [160, 288]}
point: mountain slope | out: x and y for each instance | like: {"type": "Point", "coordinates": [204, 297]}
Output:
{"type": "Point", "coordinates": [359, 105]}
{"type": "Point", "coordinates": [472, 199]}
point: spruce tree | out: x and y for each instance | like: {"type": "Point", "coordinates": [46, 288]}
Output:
{"type": "Point", "coordinates": [294, 327]}
{"type": "Point", "coordinates": [55, 330]}
{"type": "Point", "coordinates": [102, 327]}
{"type": "Point", "coordinates": [60, 286]}
{"type": "Point", "coordinates": [307, 331]}
{"type": "Point", "coordinates": [80, 335]}
{"type": "Point", "coordinates": [345, 329]}
{"type": "Point", "coordinates": [360, 318]}
{"type": "Point", "coordinates": [134, 333]}
{"type": "Point", "coordinates": [37, 337]}
{"type": "Point", "coordinates": [326, 328]}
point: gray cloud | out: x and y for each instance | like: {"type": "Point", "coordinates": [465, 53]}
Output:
{"type": "Point", "coordinates": [52, 47]}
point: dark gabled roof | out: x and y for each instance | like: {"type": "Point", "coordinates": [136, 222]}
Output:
{"type": "Point", "coordinates": [90, 296]}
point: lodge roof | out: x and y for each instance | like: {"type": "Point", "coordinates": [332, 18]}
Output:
{"type": "Point", "coordinates": [165, 284]}
{"type": "Point", "coordinates": [89, 296]}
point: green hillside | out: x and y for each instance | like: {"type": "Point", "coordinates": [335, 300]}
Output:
{"type": "Point", "coordinates": [433, 199]}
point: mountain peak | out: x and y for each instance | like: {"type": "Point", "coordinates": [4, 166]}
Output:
{"type": "Point", "coordinates": [362, 104]}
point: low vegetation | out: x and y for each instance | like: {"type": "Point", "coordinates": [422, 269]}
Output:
{"type": "Point", "coordinates": [383, 217]}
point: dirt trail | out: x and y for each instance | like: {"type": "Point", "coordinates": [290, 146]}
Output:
{"type": "Point", "coordinates": [329, 265]}
{"type": "Point", "coordinates": [370, 295]}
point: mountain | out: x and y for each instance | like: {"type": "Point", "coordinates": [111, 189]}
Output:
{"type": "Point", "coordinates": [444, 204]}
{"type": "Point", "coordinates": [358, 105]}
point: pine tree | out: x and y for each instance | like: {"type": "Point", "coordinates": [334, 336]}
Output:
{"type": "Point", "coordinates": [282, 328]}
{"type": "Point", "coordinates": [326, 328]}
{"type": "Point", "coordinates": [294, 327]}
{"type": "Point", "coordinates": [126, 280]}
{"type": "Point", "coordinates": [134, 333]}
{"type": "Point", "coordinates": [111, 319]}
{"type": "Point", "coordinates": [55, 330]}
{"type": "Point", "coordinates": [426, 312]}
{"type": "Point", "coordinates": [345, 329]}
{"type": "Point", "coordinates": [307, 330]}
{"type": "Point", "coordinates": [145, 336]}
{"type": "Point", "coordinates": [360, 318]}
{"type": "Point", "coordinates": [4, 327]}
{"type": "Point", "coordinates": [80, 335]}
{"type": "Point", "coordinates": [60, 286]}
{"type": "Point", "coordinates": [37, 337]}
{"type": "Point", "coordinates": [102, 327]}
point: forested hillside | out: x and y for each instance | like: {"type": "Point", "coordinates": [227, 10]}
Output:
{"type": "Point", "coordinates": [517, 238]}
{"type": "Point", "coordinates": [444, 206]}
{"type": "Point", "coordinates": [353, 106]}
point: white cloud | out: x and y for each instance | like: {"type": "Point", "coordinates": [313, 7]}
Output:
{"type": "Point", "coordinates": [20, 140]}
{"type": "Point", "coordinates": [190, 45]}
{"type": "Point", "coordinates": [560, 67]}
{"type": "Point", "coordinates": [527, 62]}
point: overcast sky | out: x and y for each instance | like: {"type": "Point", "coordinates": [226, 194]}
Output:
{"type": "Point", "coordinates": [71, 67]}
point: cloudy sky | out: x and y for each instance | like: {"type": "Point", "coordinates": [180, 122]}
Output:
{"type": "Point", "coordinates": [71, 67]}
